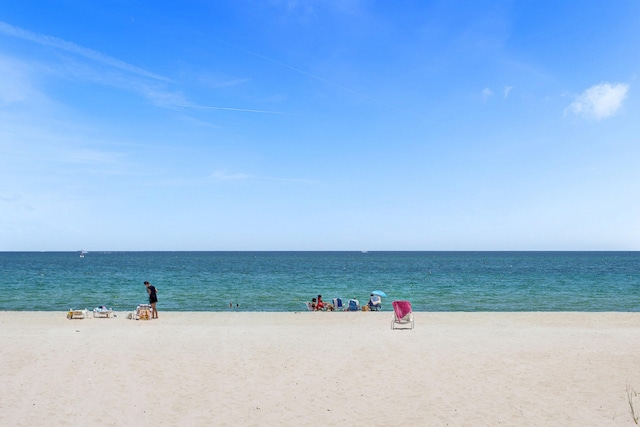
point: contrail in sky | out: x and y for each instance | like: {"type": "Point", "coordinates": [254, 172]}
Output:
{"type": "Point", "coordinates": [305, 73]}
{"type": "Point", "coordinates": [57, 43]}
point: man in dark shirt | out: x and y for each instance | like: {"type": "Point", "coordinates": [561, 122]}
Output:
{"type": "Point", "coordinates": [153, 299]}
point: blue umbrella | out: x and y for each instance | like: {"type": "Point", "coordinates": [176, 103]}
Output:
{"type": "Point", "coordinates": [379, 293]}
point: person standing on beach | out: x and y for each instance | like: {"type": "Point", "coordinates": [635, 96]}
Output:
{"type": "Point", "coordinates": [153, 298]}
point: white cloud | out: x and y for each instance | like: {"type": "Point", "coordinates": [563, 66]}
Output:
{"type": "Point", "coordinates": [507, 90]}
{"type": "Point", "coordinates": [599, 101]}
{"type": "Point", "coordinates": [486, 93]}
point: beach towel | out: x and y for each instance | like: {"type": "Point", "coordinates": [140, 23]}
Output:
{"type": "Point", "coordinates": [402, 308]}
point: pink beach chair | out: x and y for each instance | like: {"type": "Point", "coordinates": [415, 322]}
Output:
{"type": "Point", "coordinates": [402, 314]}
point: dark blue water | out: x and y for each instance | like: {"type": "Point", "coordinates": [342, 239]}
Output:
{"type": "Point", "coordinates": [283, 281]}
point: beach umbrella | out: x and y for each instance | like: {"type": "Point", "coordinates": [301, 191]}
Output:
{"type": "Point", "coordinates": [379, 293]}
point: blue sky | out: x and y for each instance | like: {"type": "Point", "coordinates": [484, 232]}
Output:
{"type": "Point", "coordinates": [319, 125]}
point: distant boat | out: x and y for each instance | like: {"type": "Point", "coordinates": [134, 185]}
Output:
{"type": "Point", "coordinates": [365, 252]}
{"type": "Point", "coordinates": [82, 253]}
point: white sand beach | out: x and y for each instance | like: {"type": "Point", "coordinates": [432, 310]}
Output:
{"type": "Point", "coordinates": [286, 369]}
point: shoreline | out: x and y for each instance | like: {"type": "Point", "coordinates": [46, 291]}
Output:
{"type": "Point", "coordinates": [289, 368]}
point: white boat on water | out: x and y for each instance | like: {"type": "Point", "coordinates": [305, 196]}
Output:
{"type": "Point", "coordinates": [82, 253]}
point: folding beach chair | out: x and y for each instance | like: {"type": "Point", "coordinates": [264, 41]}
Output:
{"type": "Point", "coordinates": [338, 304]}
{"type": "Point", "coordinates": [77, 314]}
{"type": "Point", "coordinates": [375, 303]}
{"type": "Point", "coordinates": [102, 311]}
{"type": "Point", "coordinates": [354, 305]}
{"type": "Point", "coordinates": [143, 312]}
{"type": "Point", "coordinates": [402, 314]}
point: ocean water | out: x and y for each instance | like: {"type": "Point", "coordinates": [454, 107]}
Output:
{"type": "Point", "coordinates": [283, 281]}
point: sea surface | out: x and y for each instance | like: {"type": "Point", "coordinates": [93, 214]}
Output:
{"type": "Point", "coordinates": [283, 281]}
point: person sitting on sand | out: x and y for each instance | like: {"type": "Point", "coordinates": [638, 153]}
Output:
{"type": "Point", "coordinates": [313, 304]}
{"type": "Point", "coordinates": [323, 306]}
{"type": "Point", "coordinates": [375, 302]}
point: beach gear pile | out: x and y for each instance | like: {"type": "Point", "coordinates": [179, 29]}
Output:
{"type": "Point", "coordinates": [142, 312]}
{"type": "Point", "coordinates": [103, 311]}
{"type": "Point", "coordinates": [77, 314]}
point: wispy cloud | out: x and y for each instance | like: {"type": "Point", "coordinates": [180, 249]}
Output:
{"type": "Point", "coordinates": [242, 110]}
{"type": "Point", "coordinates": [73, 48]}
{"type": "Point", "coordinates": [599, 101]}
{"type": "Point", "coordinates": [161, 97]}
{"type": "Point", "coordinates": [507, 91]}
{"type": "Point", "coordinates": [149, 85]}
{"type": "Point", "coordinates": [309, 75]}
{"type": "Point", "coordinates": [15, 84]}
{"type": "Point", "coordinates": [92, 157]}
{"type": "Point", "coordinates": [223, 175]}
{"type": "Point", "coordinates": [486, 93]}
{"type": "Point", "coordinates": [217, 81]}
{"type": "Point", "coordinates": [10, 197]}
{"type": "Point", "coordinates": [164, 98]}
{"type": "Point", "coordinates": [309, 10]}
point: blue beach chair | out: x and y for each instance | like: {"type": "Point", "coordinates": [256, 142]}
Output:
{"type": "Point", "coordinates": [354, 305]}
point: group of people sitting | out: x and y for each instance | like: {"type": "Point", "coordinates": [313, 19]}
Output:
{"type": "Point", "coordinates": [317, 304]}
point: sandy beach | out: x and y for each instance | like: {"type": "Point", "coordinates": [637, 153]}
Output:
{"type": "Point", "coordinates": [267, 369]}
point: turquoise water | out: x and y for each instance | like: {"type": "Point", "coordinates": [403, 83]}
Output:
{"type": "Point", "coordinates": [283, 281]}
